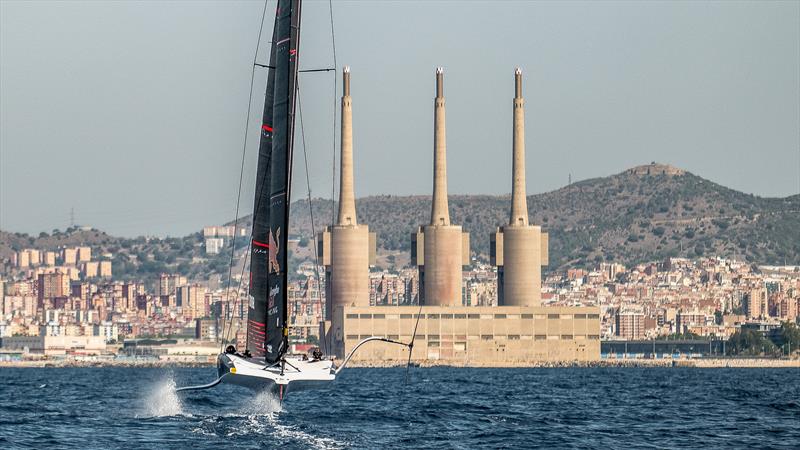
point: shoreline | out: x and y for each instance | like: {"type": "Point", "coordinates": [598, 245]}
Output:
{"type": "Point", "coordinates": [606, 363]}
{"type": "Point", "coordinates": [620, 363]}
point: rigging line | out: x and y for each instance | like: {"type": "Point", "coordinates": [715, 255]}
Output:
{"type": "Point", "coordinates": [413, 337]}
{"type": "Point", "coordinates": [227, 333]}
{"type": "Point", "coordinates": [335, 82]}
{"type": "Point", "coordinates": [333, 143]}
{"type": "Point", "coordinates": [247, 254]}
{"type": "Point", "coordinates": [241, 172]}
{"type": "Point", "coordinates": [311, 210]}
{"type": "Point", "coordinates": [327, 69]}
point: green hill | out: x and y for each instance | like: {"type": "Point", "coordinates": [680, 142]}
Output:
{"type": "Point", "coordinates": [631, 217]}
{"type": "Point", "coordinates": [643, 214]}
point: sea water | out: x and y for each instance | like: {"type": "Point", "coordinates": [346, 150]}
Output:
{"type": "Point", "coordinates": [375, 408]}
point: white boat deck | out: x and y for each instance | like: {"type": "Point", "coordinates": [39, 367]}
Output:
{"type": "Point", "coordinates": [296, 374]}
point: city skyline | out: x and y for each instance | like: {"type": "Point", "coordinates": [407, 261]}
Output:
{"type": "Point", "coordinates": [698, 85]}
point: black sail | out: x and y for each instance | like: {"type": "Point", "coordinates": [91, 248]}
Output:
{"type": "Point", "coordinates": [275, 180]}
{"type": "Point", "coordinates": [259, 246]}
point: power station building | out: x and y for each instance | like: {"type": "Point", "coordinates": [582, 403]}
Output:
{"type": "Point", "coordinates": [347, 249]}
{"type": "Point", "coordinates": [517, 332]}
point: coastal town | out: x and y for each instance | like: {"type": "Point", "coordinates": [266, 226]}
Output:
{"type": "Point", "coordinates": [65, 305]}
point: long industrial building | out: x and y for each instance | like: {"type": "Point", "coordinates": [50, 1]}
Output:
{"type": "Point", "coordinates": [517, 332]}
{"type": "Point", "coordinates": [470, 335]}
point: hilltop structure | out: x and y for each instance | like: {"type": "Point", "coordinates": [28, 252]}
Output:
{"type": "Point", "coordinates": [347, 249]}
{"type": "Point", "coordinates": [655, 168]}
{"type": "Point", "coordinates": [440, 249]}
{"type": "Point", "coordinates": [519, 250]}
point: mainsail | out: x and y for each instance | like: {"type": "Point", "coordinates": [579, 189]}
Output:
{"type": "Point", "coordinates": [267, 332]}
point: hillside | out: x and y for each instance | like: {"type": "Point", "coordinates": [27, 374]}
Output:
{"type": "Point", "coordinates": [642, 214]}
{"type": "Point", "coordinates": [132, 258]}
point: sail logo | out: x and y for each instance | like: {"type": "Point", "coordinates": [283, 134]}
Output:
{"type": "Point", "coordinates": [259, 247]}
{"type": "Point", "coordinates": [272, 294]}
{"type": "Point", "coordinates": [274, 266]}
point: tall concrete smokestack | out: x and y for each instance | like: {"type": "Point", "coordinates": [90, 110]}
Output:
{"type": "Point", "coordinates": [439, 248]}
{"type": "Point", "coordinates": [440, 215]}
{"type": "Point", "coordinates": [347, 249]}
{"type": "Point", "coordinates": [347, 199]}
{"type": "Point", "coordinates": [519, 250]}
{"type": "Point", "coordinates": [519, 202]}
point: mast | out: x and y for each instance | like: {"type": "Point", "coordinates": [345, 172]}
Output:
{"type": "Point", "coordinates": [276, 183]}
{"type": "Point", "coordinates": [277, 333]}
{"type": "Point", "coordinates": [259, 245]}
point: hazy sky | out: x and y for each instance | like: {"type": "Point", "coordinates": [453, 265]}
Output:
{"type": "Point", "coordinates": [134, 113]}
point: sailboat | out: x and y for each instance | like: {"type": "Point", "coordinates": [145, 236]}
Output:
{"type": "Point", "coordinates": [265, 364]}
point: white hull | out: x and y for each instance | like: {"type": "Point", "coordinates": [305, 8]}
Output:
{"type": "Point", "coordinates": [296, 374]}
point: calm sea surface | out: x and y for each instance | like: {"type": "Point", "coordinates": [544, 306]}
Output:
{"type": "Point", "coordinates": [439, 408]}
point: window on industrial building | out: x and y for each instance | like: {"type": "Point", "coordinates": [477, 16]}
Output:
{"type": "Point", "coordinates": [365, 316]}
{"type": "Point", "coordinates": [539, 337]}
{"type": "Point", "coordinates": [352, 336]}
{"type": "Point", "coordinates": [513, 337]}
{"type": "Point", "coordinates": [580, 316]}
{"type": "Point", "coordinates": [566, 337]}
{"type": "Point", "coordinates": [459, 316]}
{"type": "Point", "coordinates": [352, 316]}
{"type": "Point", "coordinates": [499, 316]}
{"type": "Point", "coordinates": [433, 316]}
{"type": "Point", "coordinates": [594, 337]}
{"type": "Point", "coordinates": [527, 316]}
{"type": "Point", "coordinates": [553, 316]}
{"type": "Point", "coordinates": [446, 316]}
{"type": "Point", "coordinates": [487, 337]}
{"type": "Point", "coordinates": [593, 316]}
{"type": "Point", "coordinates": [474, 316]}
{"type": "Point", "coordinates": [378, 316]}
{"type": "Point", "coordinates": [406, 316]}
